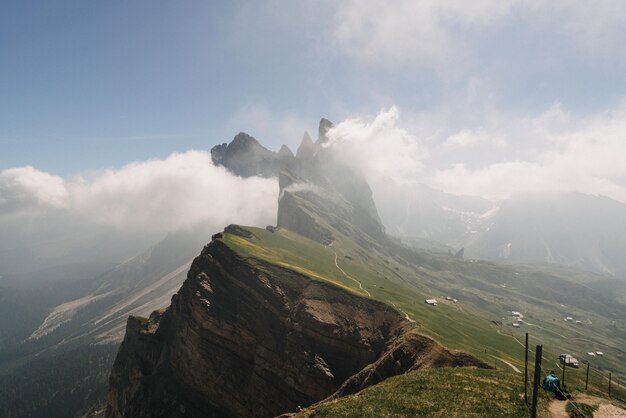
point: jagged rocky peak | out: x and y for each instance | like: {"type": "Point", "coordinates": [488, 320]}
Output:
{"type": "Point", "coordinates": [318, 193]}
{"type": "Point", "coordinates": [306, 149]}
{"type": "Point", "coordinates": [218, 152]}
{"type": "Point", "coordinates": [245, 157]}
{"type": "Point", "coordinates": [243, 141]}
{"type": "Point", "coordinates": [325, 125]}
{"type": "Point", "coordinates": [285, 152]}
{"type": "Point", "coordinates": [246, 337]}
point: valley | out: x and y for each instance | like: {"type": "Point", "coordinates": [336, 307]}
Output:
{"type": "Point", "coordinates": [328, 231]}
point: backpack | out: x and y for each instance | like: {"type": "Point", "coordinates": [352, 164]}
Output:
{"type": "Point", "coordinates": [551, 383]}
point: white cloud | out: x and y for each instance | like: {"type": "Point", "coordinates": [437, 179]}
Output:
{"type": "Point", "coordinates": [25, 188]}
{"type": "Point", "coordinates": [467, 138]}
{"type": "Point", "coordinates": [434, 33]}
{"type": "Point", "coordinates": [180, 191]}
{"type": "Point", "coordinates": [584, 155]}
{"type": "Point", "coordinates": [549, 152]}
{"type": "Point", "coordinates": [598, 26]}
{"type": "Point", "coordinates": [408, 30]}
{"type": "Point", "coordinates": [379, 148]}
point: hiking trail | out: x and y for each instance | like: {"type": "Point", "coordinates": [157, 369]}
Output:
{"type": "Point", "coordinates": [350, 277]}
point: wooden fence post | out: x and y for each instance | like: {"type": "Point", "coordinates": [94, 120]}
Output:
{"type": "Point", "coordinates": [533, 409]}
{"type": "Point", "coordinates": [587, 378]}
{"type": "Point", "coordinates": [526, 372]}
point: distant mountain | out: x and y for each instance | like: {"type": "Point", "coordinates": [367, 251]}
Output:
{"type": "Point", "coordinates": [39, 241]}
{"type": "Point", "coordinates": [26, 299]}
{"type": "Point", "coordinates": [141, 284]}
{"type": "Point", "coordinates": [326, 304]}
{"type": "Point", "coordinates": [572, 229]}
{"type": "Point", "coordinates": [424, 215]}
{"type": "Point", "coordinates": [77, 317]}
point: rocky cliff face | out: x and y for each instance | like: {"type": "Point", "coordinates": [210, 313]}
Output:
{"type": "Point", "coordinates": [250, 336]}
{"type": "Point", "coordinates": [245, 157]}
{"type": "Point", "coordinates": [247, 338]}
{"type": "Point", "coordinates": [318, 193]}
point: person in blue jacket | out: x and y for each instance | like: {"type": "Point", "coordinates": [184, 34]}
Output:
{"type": "Point", "coordinates": [551, 382]}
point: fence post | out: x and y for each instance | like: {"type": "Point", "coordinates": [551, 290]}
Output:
{"type": "Point", "coordinates": [526, 372]}
{"type": "Point", "coordinates": [533, 409]}
{"type": "Point", "coordinates": [609, 384]}
{"type": "Point", "coordinates": [563, 378]}
{"type": "Point", "coordinates": [587, 378]}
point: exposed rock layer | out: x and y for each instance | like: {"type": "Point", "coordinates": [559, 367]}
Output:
{"type": "Point", "coordinates": [316, 188]}
{"type": "Point", "coordinates": [246, 338]}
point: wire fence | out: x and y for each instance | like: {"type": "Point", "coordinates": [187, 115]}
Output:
{"type": "Point", "coordinates": [599, 382]}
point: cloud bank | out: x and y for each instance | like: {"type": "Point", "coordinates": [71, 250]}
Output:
{"type": "Point", "coordinates": [547, 153]}
{"type": "Point", "coordinates": [433, 33]}
{"type": "Point", "coordinates": [562, 154]}
{"type": "Point", "coordinates": [379, 147]}
{"type": "Point", "coordinates": [181, 191]}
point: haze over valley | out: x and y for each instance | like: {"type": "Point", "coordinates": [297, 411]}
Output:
{"type": "Point", "coordinates": [312, 209]}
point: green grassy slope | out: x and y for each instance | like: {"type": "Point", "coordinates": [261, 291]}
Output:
{"type": "Point", "coordinates": [383, 279]}
{"type": "Point", "coordinates": [486, 293]}
{"type": "Point", "coordinates": [454, 392]}
{"type": "Point", "coordinates": [479, 323]}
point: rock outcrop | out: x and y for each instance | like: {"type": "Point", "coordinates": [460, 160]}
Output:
{"type": "Point", "coordinates": [254, 336]}
{"type": "Point", "coordinates": [318, 192]}
{"type": "Point", "coordinates": [245, 157]}
{"type": "Point", "coordinates": [247, 338]}
{"type": "Point", "coordinates": [322, 131]}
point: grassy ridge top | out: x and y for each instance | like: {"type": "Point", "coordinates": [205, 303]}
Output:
{"type": "Point", "coordinates": [347, 265]}
{"type": "Point", "coordinates": [477, 324]}
{"type": "Point", "coordinates": [451, 392]}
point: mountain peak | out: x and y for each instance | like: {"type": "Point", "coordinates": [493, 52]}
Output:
{"type": "Point", "coordinates": [325, 125]}
{"type": "Point", "coordinates": [285, 152]}
{"type": "Point", "coordinates": [306, 148]}
{"type": "Point", "coordinates": [245, 157]}
{"type": "Point", "coordinates": [243, 140]}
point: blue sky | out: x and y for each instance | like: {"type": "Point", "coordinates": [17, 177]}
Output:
{"type": "Point", "coordinates": [88, 85]}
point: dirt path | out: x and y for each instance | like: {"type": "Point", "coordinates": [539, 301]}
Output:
{"type": "Point", "coordinates": [556, 409]}
{"type": "Point", "coordinates": [510, 365]}
{"type": "Point", "coordinates": [406, 315]}
{"type": "Point", "coordinates": [518, 341]}
{"type": "Point", "coordinates": [350, 277]}
{"type": "Point", "coordinates": [605, 408]}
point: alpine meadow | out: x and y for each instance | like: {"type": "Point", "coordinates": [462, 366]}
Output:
{"type": "Point", "coordinates": [312, 209]}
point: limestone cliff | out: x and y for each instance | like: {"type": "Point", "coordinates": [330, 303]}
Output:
{"type": "Point", "coordinates": [244, 337]}
{"type": "Point", "coordinates": [318, 192]}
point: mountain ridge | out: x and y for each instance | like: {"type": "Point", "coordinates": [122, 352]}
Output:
{"type": "Point", "coordinates": [262, 319]}
{"type": "Point", "coordinates": [269, 339]}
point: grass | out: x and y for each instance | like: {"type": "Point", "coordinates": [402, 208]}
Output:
{"type": "Point", "coordinates": [457, 326]}
{"type": "Point", "coordinates": [486, 294]}
{"type": "Point", "coordinates": [450, 392]}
